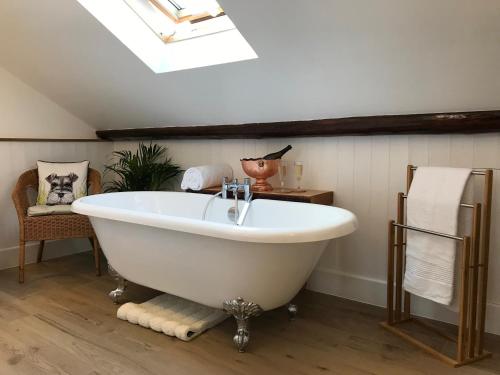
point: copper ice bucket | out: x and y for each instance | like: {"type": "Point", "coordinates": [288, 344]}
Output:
{"type": "Point", "coordinates": [260, 169]}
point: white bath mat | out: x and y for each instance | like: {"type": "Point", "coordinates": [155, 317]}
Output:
{"type": "Point", "coordinates": [174, 316]}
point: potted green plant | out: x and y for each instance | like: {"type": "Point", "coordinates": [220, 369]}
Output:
{"type": "Point", "coordinates": [147, 169]}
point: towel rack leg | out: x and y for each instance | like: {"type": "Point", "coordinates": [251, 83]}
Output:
{"type": "Point", "coordinates": [399, 257]}
{"type": "Point", "coordinates": [390, 273]}
{"type": "Point", "coordinates": [464, 296]}
{"type": "Point", "coordinates": [473, 300]}
{"type": "Point", "coordinates": [484, 258]}
{"type": "Point", "coordinates": [407, 296]}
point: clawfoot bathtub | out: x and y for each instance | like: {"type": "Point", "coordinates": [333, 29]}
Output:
{"type": "Point", "coordinates": [159, 240]}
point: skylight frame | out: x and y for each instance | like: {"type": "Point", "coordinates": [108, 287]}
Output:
{"type": "Point", "coordinates": [164, 18]}
{"type": "Point", "coordinates": [178, 18]}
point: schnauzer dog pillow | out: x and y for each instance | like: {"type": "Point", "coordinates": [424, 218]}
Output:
{"type": "Point", "coordinates": [61, 183]}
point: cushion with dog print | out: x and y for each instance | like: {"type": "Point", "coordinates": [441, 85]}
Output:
{"type": "Point", "coordinates": [61, 183]}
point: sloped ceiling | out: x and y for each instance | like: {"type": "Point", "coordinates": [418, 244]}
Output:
{"type": "Point", "coordinates": [317, 59]}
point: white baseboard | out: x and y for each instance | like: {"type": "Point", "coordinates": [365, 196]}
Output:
{"type": "Point", "coordinates": [53, 249]}
{"type": "Point", "coordinates": [373, 292]}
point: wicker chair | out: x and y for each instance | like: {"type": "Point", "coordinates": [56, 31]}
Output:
{"type": "Point", "coordinates": [51, 227]}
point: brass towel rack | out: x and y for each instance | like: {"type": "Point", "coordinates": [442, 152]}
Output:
{"type": "Point", "coordinates": [473, 282]}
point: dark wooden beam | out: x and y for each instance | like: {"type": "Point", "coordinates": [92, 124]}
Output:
{"type": "Point", "coordinates": [430, 123]}
{"type": "Point", "coordinates": [72, 140]}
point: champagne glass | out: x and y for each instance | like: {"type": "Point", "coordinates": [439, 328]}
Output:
{"type": "Point", "coordinates": [299, 170]}
{"type": "Point", "coordinates": [282, 171]}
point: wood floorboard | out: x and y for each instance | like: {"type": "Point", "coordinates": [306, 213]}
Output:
{"type": "Point", "coordinates": [62, 322]}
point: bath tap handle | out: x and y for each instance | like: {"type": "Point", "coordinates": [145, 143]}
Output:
{"type": "Point", "coordinates": [246, 189]}
{"type": "Point", "coordinates": [224, 187]}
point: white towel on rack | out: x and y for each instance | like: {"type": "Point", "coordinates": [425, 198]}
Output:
{"type": "Point", "coordinates": [204, 176]}
{"type": "Point", "coordinates": [433, 203]}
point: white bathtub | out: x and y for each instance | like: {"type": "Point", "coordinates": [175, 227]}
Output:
{"type": "Point", "coordinates": [157, 239]}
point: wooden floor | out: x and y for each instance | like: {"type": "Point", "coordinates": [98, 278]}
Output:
{"type": "Point", "coordinates": [62, 322]}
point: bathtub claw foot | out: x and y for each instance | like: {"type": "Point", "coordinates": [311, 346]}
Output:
{"type": "Point", "coordinates": [242, 312]}
{"type": "Point", "coordinates": [116, 294]}
{"type": "Point", "coordinates": [292, 311]}
{"type": "Point", "coordinates": [241, 339]}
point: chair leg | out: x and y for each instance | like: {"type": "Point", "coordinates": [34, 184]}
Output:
{"type": "Point", "coordinates": [40, 251]}
{"type": "Point", "coordinates": [22, 254]}
{"type": "Point", "coordinates": [97, 255]}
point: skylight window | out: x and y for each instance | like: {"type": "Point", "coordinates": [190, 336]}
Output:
{"type": "Point", "coordinates": [173, 21]}
{"type": "Point", "coordinates": [170, 35]}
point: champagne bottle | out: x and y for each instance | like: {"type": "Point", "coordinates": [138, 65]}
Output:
{"type": "Point", "coordinates": [277, 155]}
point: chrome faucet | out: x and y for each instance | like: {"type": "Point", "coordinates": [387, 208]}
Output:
{"type": "Point", "coordinates": [235, 187]}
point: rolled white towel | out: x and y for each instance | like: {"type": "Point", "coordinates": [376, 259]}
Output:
{"type": "Point", "coordinates": [204, 176]}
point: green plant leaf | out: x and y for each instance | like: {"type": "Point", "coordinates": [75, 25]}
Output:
{"type": "Point", "coordinates": [148, 169]}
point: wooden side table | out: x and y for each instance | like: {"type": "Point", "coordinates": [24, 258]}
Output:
{"type": "Point", "coordinates": [309, 196]}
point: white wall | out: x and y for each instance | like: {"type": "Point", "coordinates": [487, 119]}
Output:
{"type": "Point", "coordinates": [365, 173]}
{"type": "Point", "coordinates": [26, 113]}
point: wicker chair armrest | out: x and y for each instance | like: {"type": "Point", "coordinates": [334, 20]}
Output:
{"type": "Point", "coordinates": [20, 193]}
{"type": "Point", "coordinates": [94, 181]}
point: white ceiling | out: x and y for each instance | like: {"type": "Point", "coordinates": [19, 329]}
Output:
{"type": "Point", "coordinates": [317, 59]}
